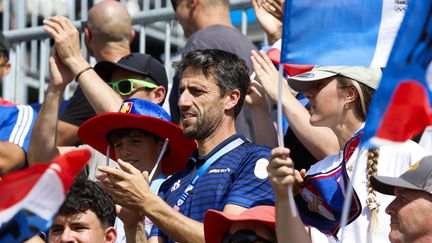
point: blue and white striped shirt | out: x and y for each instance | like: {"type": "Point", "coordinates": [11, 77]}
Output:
{"type": "Point", "coordinates": [239, 177]}
{"type": "Point", "coordinates": [16, 123]}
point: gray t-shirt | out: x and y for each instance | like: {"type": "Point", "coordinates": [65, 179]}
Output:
{"type": "Point", "coordinates": [227, 39]}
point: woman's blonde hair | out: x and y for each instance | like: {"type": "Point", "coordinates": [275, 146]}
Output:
{"type": "Point", "coordinates": [371, 200]}
{"type": "Point", "coordinates": [364, 92]}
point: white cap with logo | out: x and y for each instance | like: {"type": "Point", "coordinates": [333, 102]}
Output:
{"type": "Point", "coordinates": [367, 76]}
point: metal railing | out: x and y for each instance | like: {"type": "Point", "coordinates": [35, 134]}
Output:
{"type": "Point", "coordinates": [30, 46]}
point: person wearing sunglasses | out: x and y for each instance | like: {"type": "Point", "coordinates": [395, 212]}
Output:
{"type": "Point", "coordinates": [255, 224]}
{"type": "Point", "coordinates": [136, 75]}
{"type": "Point", "coordinates": [126, 87]}
{"type": "Point", "coordinates": [139, 133]}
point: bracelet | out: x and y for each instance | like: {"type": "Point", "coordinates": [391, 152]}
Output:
{"type": "Point", "coordinates": [81, 72]}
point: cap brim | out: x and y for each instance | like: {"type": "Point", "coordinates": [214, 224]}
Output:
{"type": "Point", "coordinates": [217, 223]}
{"type": "Point", "coordinates": [387, 184]}
{"type": "Point", "coordinates": [105, 69]}
{"type": "Point", "coordinates": [304, 81]}
{"type": "Point", "coordinates": [94, 131]}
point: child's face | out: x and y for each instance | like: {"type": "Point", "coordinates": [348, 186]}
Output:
{"type": "Point", "coordinates": [137, 149]}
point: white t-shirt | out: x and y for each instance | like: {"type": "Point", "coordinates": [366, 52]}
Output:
{"type": "Point", "coordinates": [393, 161]}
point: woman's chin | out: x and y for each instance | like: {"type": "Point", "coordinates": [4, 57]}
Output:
{"type": "Point", "coordinates": [318, 123]}
{"type": "Point", "coordinates": [314, 121]}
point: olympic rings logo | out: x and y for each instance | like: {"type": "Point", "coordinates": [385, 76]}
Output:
{"type": "Point", "coordinates": [400, 9]}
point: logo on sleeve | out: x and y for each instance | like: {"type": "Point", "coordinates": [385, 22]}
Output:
{"type": "Point", "coordinates": [260, 170]}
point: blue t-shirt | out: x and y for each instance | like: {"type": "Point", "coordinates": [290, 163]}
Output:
{"type": "Point", "coordinates": [16, 123]}
{"type": "Point", "coordinates": [238, 177]}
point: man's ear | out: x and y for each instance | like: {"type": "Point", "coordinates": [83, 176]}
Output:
{"type": "Point", "coordinates": [231, 99]}
{"type": "Point", "coordinates": [158, 95]}
{"type": "Point", "coordinates": [87, 36]}
{"type": "Point", "coordinates": [7, 68]}
{"type": "Point", "coordinates": [110, 235]}
{"type": "Point", "coordinates": [194, 3]}
{"type": "Point", "coordinates": [131, 35]}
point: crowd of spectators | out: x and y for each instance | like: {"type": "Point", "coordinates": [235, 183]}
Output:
{"type": "Point", "coordinates": [212, 171]}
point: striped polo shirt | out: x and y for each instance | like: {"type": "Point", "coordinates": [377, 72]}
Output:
{"type": "Point", "coordinates": [238, 177]}
{"type": "Point", "coordinates": [16, 123]}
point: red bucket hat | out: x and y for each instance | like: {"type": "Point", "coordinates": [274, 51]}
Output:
{"type": "Point", "coordinates": [217, 224]}
{"type": "Point", "coordinates": [145, 115]}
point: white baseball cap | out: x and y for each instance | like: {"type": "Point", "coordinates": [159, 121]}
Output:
{"type": "Point", "coordinates": [367, 76]}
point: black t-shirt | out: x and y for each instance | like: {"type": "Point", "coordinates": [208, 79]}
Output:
{"type": "Point", "coordinates": [78, 110]}
{"type": "Point", "coordinates": [301, 157]}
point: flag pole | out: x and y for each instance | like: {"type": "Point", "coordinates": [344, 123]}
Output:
{"type": "Point", "coordinates": [159, 159]}
{"type": "Point", "coordinates": [281, 136]}
{"type": "Point", "coordinates": [349, 194]}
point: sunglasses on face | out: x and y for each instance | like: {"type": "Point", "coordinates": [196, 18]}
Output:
{"type": "Point", "coordinates": [126, 86]}
{"type": "Point", "coordinates": [244, 236]}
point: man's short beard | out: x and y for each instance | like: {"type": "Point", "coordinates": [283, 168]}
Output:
{"type": "Point", "coordinates": [204, 126]}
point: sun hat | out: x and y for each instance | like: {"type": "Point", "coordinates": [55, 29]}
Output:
{"type": "Point", "coordinates": [367, 76]}
{"type": "Point", "coordinates": [217, 224]}
{"type": "Point", "coordinates": [417, 177]}
{"type": "Point", "coordinates": [145, 115]}
{"type": "Point", "coordinates": [135, 62]}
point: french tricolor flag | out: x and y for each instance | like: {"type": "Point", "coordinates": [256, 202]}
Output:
{"type": "Point", "coordinates": [30, 198]}
{"type": "Point", "coordinates": [340, 32]}
{"type": "Point", "coordinates": [401, 107]}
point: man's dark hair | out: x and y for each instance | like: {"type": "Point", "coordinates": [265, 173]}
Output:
{"type": "Point", "coordinates": [86, 195]}
{"type": "Point", "coordinates": [226, 68]}
{"type": "Point", "coordinates": [4, 47]}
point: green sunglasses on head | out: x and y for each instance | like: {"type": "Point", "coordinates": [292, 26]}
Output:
{"type": "Point", "coordinates": [125, 86]}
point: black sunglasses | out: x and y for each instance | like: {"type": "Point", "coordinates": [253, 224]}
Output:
{"type": "Point", "coordinates": [244, 236]}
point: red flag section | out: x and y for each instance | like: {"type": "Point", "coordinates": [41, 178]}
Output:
{"type": "Point", "coordinates": [291, 69]}
{"type": "Point", "coordinates": [408, 113]}
{"type": "Point", "coordinates": [30, 198]}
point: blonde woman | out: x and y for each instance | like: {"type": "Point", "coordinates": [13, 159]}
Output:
{"type": "Point", "coordinates": [339, 97]}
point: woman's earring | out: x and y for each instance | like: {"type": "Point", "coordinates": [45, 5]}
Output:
{"type": "Point", "coordinates": [346, 105]}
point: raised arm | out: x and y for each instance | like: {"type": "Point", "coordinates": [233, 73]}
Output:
{"type": "Point", "coordinates": [269, 16]}
{"type": "Point", "coordinates": [101, 97]}
{"type": "Point", "coordinates": [265, 129]}
{"type": "Point", "coordinates": [43, 146]}
{"type": "Point", "coordinates": [319, 141]}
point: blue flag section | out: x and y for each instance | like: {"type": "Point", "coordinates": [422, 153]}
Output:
{"type": "Point", "coordinates": [340, 32]}
{"type": "Point", "coordinates": [401, 107]}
